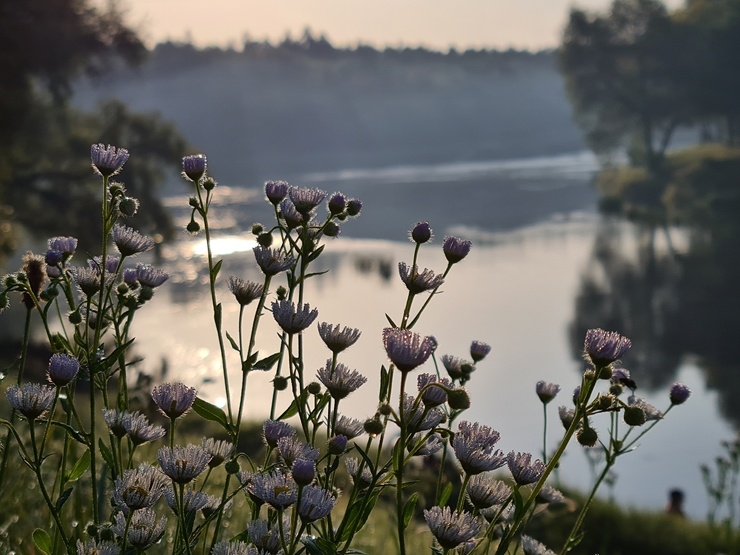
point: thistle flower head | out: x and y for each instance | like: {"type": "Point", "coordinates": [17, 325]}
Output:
{"type": "Point", "coordinates": [244, 291]}
{"type": "Point", "coordinates": [274, 430]}
{"type": "Point", "coordinates": [92, 547]}
{"type": "Point", "coordinates": [146, 275]}
{"type": "Point", "coordinates": [305, 199]}
{"type": "Point", "coordinates": [183, 464]}
{"type": "Point", "coordinates": [354, 206]}
{"type": "Point", "coordinates": [87, 280]}
{"type": "Point", "coordinates": [337, 203]}
{"type": "Point", "coordinates": [455, 249]}
{"type": "Point", "coordinates": [418, 282]}
{"type": "Point", "coordinates": [219, 449]}
{"type": "Point", "coordinates": [272, 261]}
{"type": "Point", "coordinates": [293, 218]}
{"type": "Point", "coordinates": [266, 537]}
{"type": "Point", "coordinates": [340, 381]}
{"type": "Point", "coordinates": [230, 548]}
{"type": "Point", "coordinates": [566, 416]}
{"type": "Point", "coordinates": [407, 349]}
{"type": "Point", "coordinates": [174, 399]}
{"type": "Point", "coordinates": [360, 478]}
{"type": "Point", "coordinates": [348, 427]}
{"type": "Point", "coordinates": [549, 495]}
{"type": "Point", "coordinates": [432, 395]}
{"type": "Point", "coordinates": [274, 488]}
{"type": "Point", "coordinates": [315, 503]}
{"type": "Point", "coordinates": [144, 530]}
{"type": "Point", "coordinates": [139, 488]}
{"type": "Point", "coordinates": [479, 350]}
{"type": "Point", "coordinates": [130, 242]}
{"type": "Point", "coordinates": [292, 448]}
{"type": "Point", "coordinates": [431, 445]}
{"type": "Point", "coordinates": [679, 393]}
{"type": "Point", "coordinates": [291, 318]}
{"type": "Point", "coordinates": [602, 348]}
{"type": "Point", "coordinates": [457, 368]}
{"type": "Point", "coordinates": [418, 417]}
{"type": "Point", "coordinates": [31, 399]}
{"type": "Point", "coordinates": [276, 191]}
{"type": "Point", "coordinates": [65, 245]}
{"type": "Point", "coordinates": [531, 546]}
{"type": "Point", "coordinates": [139, 429]}
{"type": "Point", "coordinates": [114, 419]}
{"type": "Point", "coordinates": [483, 491]}
{"type": "Point", "coordinates": [192, 500]}
{"type": "Point", "coordinates": [450, 528]}
{"type": "Point", "coordinates": [546, 391]}
{"type": "Point", "coordinates": [474, 448]}
{"type": "Point", "coordinates": [194, 167]}
{"type": "Point", "coordinates": [107, 160]}
{"type": "Point", "coordinates": [62, 369]}
{"type": "Point", "coordinates": [338, 340]}
{"type": "Point", "coordinates": [651, 413]}
{"type": "Point", "coordinates": [303, 471]}
{"type": "Point", "coordinates": [523, 468]}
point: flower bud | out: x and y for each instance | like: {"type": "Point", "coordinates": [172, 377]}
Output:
{"type": "Point", "coordinates": [314, 388]}
{"type": "Point", "coordinates": [193, 227]}
{"type": "Point", "coordinates": [634, 416]}
{"type": "Point", "coordinates": [354, 206]}
{"type": "Point", "coordinates": [337, 444]}
{"type": "Point", "coordinates": [385, 409]}
{"type": "Point", "coordinates": [421, 233]}
{"type": "Point", "coordinates": [332, 229]}
{"type": "Point", "coordinates": [373, 426]}
{"type": "Point", "coordinates": [337, 203]}
{"type": "Point", "coordinates": [128, 206]}
{"type": "Point", "coordinates": [264, 240]}
{"type": "Point", "coordinates": [458, 399]}
{"type": "Point", "coordinates": [209, 184]}
{"type": "Point", "coordinates": [75, 317]}
{"type": "Point", "coordinates": [605, 373]}
{"type": "Point", "coordinates": [587, 437]}
{"type": "Point", "coordinates": [257, 229]}
{"type": "Point", "coordinates": [282, 292]}
{"type": "Point", "coordinates": [280, 383]}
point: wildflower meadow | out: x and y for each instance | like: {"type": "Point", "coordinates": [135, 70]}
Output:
{"type": "Point", "coordinates": [115, 478]}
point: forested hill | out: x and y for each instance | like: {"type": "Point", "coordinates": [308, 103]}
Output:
{"type": "Point", "coordinates": [279, 110]}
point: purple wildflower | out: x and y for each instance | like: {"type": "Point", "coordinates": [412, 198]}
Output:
{"type": "Point", "coordinates": [107, 160]}
{"type": "Point", "coordinates": [407, 349]}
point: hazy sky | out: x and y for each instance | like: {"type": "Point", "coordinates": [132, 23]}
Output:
{"type": "Point", "coordinates": [530, 24]}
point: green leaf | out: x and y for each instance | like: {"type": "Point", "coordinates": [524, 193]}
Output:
{"type": "Point", "coordinates": [408, 509]}
{"type": "Point", "coordinates": [233, 343]}
{"type": "Point", "coordinates": [63, 498]}
{"type": "Point", "coordinates": [80, 467]}
{"type": "Point", "coordinates": [319, 546]}
{"type": "Point", "coordinates": [42, 540]}
{"type": "Point", "coordinates": [211, 412]}
{"type": "Point", "coordinates": [384, 381]}
{"type": "Point", "coordinates": [292, 410]}
{"type": "Point", "coordinates": [217, 316]}
{"type": "Point", "coordinates": [315, 254]}
{"type": "Point", "coordinates": [445, 495]}
{"type": "Point", "coordinates": [106, 453]}
{"type": "Point", "coordinates": [315, 274]}
{"type": "Point", "coordinates": [356, 516]}
{"type": "Point", "coordinates": [325, 398]}
{"type": "Point", "coordinates": [111, 359]}
{"type": "Point", "coordinates": [266, 363]}
{"type": "Point", "coordinates": [390, 321]}
{"type": "Point", "coordinates": [70, 430]}
{"type": "Point", "coordinates": [216, 269]}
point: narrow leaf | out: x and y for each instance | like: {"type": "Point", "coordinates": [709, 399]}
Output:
{"type": "Point", "coordinates": [445, 495]}
{"type": "Point", "coordinates": [408, 509]}
{"type": "Point", "coordinates": [211, 412]}
{"type": "Point", "coordinates": [384, 381]}
{"type": "Point", "coordinates": [63, 498]}
{"type": "Point", "coordinates": [42, 540]}
{"type": "Point", "coordinates": [233, 343]}
{"type": "Point", "coordinates": [292, 410]}
{"type": "Point", "coordinates": [107, 455]}
{"type": "Point", "coordinates": [266, 363]}
{"type": "Point", "coordinates": [80, 467]}
{"type": "Point", "coordinates": [390, 321]}
{"type": "Point", "coordinates": [216, 269]}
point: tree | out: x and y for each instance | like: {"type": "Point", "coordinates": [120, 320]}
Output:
{"type": "Point", "coordinates": [623, 74]}
{"type": "Point", "coordinates": [44, 143]}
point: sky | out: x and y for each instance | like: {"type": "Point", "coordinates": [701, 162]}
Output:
{"type": "Point", "coordinates": [437, 24]}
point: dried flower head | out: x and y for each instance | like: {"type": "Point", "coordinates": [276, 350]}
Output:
{"type": "Point", "coordinates": [291, 318]}
{"type": "Point", "coordinates": [107, 160]}
{"type": "Point", "coordinates": [407, 349]}
{"type": "Point", "coordinates": [245, 291]}
{"type": "Point", "coordinates": [338, 340]}
{"type": "Point", "coordinates": [183, 464]}
{"type": "Point", "coordinates": [602, 348]}
{"type": "Point", "coordinates": [174, 399]}
{"type": "Point", "coordinates": [449, 528]}
{"type": "Point", "coordinates": [31, 399]}
{"type": "Point", "coordinates": [474, 448]}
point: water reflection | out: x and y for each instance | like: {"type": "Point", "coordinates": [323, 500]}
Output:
{"type": "Point", "coordinates": [674, 289]}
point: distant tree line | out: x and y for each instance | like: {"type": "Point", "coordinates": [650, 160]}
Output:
{"type": "Point", "coordinates": [639, 72]}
